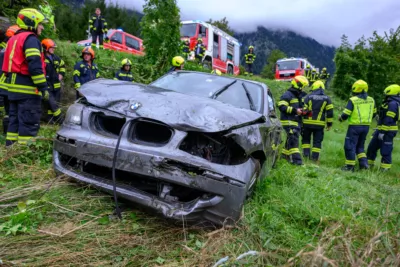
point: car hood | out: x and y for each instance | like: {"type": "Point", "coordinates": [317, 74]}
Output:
{"type": "Point", "coordinates": [180, 111]}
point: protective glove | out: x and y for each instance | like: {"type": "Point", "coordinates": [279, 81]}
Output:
{"type": "Point", "coordinates": [45, 95]}
{"type": "Point", "coordinates": [340, 118]}
{"type": "Point", "coordinates": [380, 136]}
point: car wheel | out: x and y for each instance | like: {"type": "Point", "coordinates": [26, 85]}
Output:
{"type": "Point", "coordinates": [230, 69]}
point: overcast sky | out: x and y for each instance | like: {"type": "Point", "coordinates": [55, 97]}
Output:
{"type": "Point", "coordinates": [323, 20]}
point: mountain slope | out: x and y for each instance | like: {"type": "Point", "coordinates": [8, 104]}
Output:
{"type": "Point", "coordinates": [293, 44]}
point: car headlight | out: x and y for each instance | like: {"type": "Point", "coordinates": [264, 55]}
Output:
{"type": "Point", "coordinates": [74, 114]}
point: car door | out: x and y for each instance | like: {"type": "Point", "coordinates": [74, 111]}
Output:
{"type": "Point", "coordinates": [132, 45]}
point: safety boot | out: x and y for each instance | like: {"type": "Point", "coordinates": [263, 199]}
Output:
{"type": "Point", "coordinates": [349, 168]}
{"type": "Point", "coordinates": [364, 167]}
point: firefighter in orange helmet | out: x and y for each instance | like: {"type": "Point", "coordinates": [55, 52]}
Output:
{"type": "Point", "coordinates": [85, 70]}
{"type": "Point", "coordinates": [26, 83]}
{"type": "Point", "coordinates": [55, 72]}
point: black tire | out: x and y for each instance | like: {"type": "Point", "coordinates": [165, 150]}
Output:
{"type": "Point", "coordinates": [230, 69]}
{"type": "Point", "coordinates": [206, 64]}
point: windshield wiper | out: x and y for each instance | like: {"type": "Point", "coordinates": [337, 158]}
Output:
{"type": "Point", "coordinates": [252, 107]}
{"type": "Point", "coordinates": [219, 91]}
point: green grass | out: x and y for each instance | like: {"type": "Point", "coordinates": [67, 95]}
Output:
{"type": "Point", "coordinates": [314, 215]}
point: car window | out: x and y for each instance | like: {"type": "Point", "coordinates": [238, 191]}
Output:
{"type": "Point", "coordinates": [236, 96]}
{"type": "Point", "coordinates": [117, 38]}
{"type": "Point", "coordinates": [132, 43]}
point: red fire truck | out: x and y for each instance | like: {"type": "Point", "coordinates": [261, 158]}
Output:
{"type": "Point", "coordinates": [222, 50]}
{"type": "Point", "coordinates": [287, 68]}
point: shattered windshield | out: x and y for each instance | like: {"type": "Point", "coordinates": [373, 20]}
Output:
{"type": "Point", "coordinates": [288, 65]}
{"type": "Point", "coordinates": [188, 30]}
{"type": "Point", "coordinates": [206, 85]}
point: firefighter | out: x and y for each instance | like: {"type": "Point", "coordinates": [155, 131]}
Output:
{"type": "Point", "coordinates": [178, 63]}
{"type": "Point", "coordinates": [216, 72]}
{"type": "Point", "coordinates": [308, 71]}
{"type": "Point", "coordinates": [359, 112]}
{"type": "Point", "coordinates": [185, 48]}
{"type": "Point", "coordinates": [387, 128]}
{"type": "Point", "coordinates": [199, 50]}
{"type": "Point", "coordinates": [98, 27]}
{"type": "Point", "coordinates": [250, 57]}
{"type": "Point", "coordinates": [124, 74]}
{"type": "Point", "coordinates": [85, 70]}
{"type": "Point", "coordinates": [324, 76]}
{"type": "Point", "coordinates": [314, 77]}
{"type": "Point", "coordinates": [3, 89]}
{"type": "Point", "coordinates": [318, 109]}
{"type": "Point", "coordinates": [55, 72]}
{"type": "Point", "coordinates": [26, 82]}
{"type": "Point", "coordinates": [290, 108]}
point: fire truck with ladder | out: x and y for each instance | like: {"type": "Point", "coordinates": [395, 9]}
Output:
{"type": "Point", "coordinates": [222, 50]}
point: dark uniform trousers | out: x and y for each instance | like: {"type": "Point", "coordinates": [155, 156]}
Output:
{"type": "Point", "coordinates": [354, 145]}
{"type": "Point", "coordinates": [53, 103]}
{"type": "Point", "coordinates": [317, 135]}
{"type": "Point", "coordinates": [24, 119]}
{"type": "Point", "coordinates": [386, 147]}
{"type": "Point", "coordinates": [291, 148]}
{"type": "Point", "coordinates": [96, 34]}
{"type": "Point", "coordinates": [6, 119]}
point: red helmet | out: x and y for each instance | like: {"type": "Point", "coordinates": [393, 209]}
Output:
{"type": "Point", "coordinates": [88, 50]}
{"type": "Point", "coordinates": [12, 30]}
{"type": "Point", "coordinates": [48, 43]}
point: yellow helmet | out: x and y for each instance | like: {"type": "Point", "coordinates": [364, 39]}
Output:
{"type": "Point", "coordinates": [251, 47]}
{"type": "Point", "coordinates": [317, 85]}
{"type": "Point", "coordinates": [308, 66]}
{"type": "Point", "coordinates": [217, 72]}
{"type": "Point", "coordinates": [199, 39]}
{"type": "Point", "coordinates": [30, 18]}
{"type": "Point", "coordinates": [359, 87]}
{"type": "Point", "coordinates": [393, 89]}
{"type": "Point", "coordinates": [125, 61]}
{"type": "Point", "coordinates": [299, 82]}
{"type": "Point", "coordinates": [323, 69]}
{"type": "Point", "coordinates": [178, 61]}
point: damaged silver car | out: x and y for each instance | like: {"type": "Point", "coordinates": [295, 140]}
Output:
{"type": "Point", "coordinates": [189, 146]}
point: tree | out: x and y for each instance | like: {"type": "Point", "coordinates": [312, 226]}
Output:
{"type": "Point", "coordinates": [269, 69]}
{"type": "Point", "coordinates": [222, 24]}
{"type": "Point", "coordinates": [161, 32]}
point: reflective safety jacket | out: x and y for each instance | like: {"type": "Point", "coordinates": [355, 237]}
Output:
{"type": "Point", "coordinates": [3, 87]}
{"type": "Point", "coordinates": [360, 110]}
{"type": "Point", "coordinates": [250, 57]}
{"type": "Point", "coordinates": [288, 104]}
{"type": "Point", "coordinates": [324, 75]}
{"type": "Point", "coordinates": [98, 24]}
{"type": "Point", "coordinates": [83, 73]}
{"type": "Point", "coordinates": [321, 107]}
{"type": "Point", "coordinates": [313, 77]}
{"type": "Point", "coordinates": [389, 114]}
{"type": "Point", "coordinates": [199, 50]}
{"type": "Point", "coordinates": [54, 66]}
{"type": "Point", "coordinates": [24, 66]}
{"type": "Point", "coordinates": [124, 76]}
{"type": "Point", "coordinates": [307, 73]}
{"type": "Point", "coordinates": [185, 49]}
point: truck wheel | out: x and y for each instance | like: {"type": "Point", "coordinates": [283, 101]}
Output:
{"type": "Point", "coordinates": [206, 64]}
{"type": "Point", "coordinates": [230, 69]}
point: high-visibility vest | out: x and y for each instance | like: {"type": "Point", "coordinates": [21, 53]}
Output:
{"type": "Point", "coordinates": [363, 111]}
{"type": "Point", "coordinates": [14, 56]}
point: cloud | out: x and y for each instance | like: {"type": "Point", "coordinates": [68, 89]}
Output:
{"type": "Point", "coordinates": [323, 20]}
